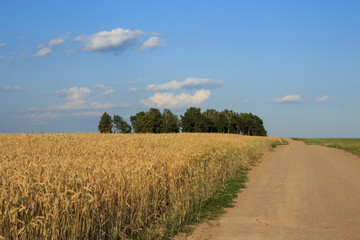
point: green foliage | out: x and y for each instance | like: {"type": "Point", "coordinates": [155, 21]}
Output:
{"type": "Point", "coordinates": [252, 125]}
{"type": "Point", "coordinates": [117, 122]}
{"type": "Point", "coordinates": [125, 127]}
{"type": "Point", "coordinates": [170, 123]}
{"type": "Point", "coordinates": [192, 121]}
{"type": "Point", "coordinates": [348, 144]}
{"type": "Point", "coordinates": [105, 123]}
{"type": "Point", "coordinates": [120, 125]}
{"type": "Point", "coordinates": [137, 121]}
{"type": "Point", "coordinates": [227, 121]}
{"type": "Point", "coordinates": [154, 121]}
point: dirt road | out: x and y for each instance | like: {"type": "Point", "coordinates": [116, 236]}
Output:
{"type": "Point", "coordinates": [296, 192]}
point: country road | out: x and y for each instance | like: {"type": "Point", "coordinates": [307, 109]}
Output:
{"type": "Point", "coordinates": [296, 192]}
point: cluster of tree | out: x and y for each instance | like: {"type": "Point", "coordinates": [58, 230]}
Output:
{"type": "Point", "coordinates": [154, 121]}
{"type": "Point", "coordinates": [227, 121]}
{"type": "Point", "coordinates": [106, 124]}
{"type": "Point", "coordinates": [193, 120]}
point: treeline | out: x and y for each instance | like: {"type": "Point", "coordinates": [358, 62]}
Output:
{"type": "Point", "coordinates": [193, 120]}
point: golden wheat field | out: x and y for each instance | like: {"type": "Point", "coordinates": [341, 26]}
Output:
{"type": "Point", "coordinates": [112, 186]}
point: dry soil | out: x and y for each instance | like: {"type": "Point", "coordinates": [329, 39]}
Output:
{"type": "Point", "coordinates": [296, 192]}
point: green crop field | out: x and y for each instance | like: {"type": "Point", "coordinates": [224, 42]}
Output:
{"type": "Point", "coordinates": [347, 144]}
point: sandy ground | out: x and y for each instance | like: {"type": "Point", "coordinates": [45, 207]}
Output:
{"type": "Point", "coordinates": [296, 192]}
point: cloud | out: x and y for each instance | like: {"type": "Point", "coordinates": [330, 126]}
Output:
{"type": "Point", "coordinates": [78, 98]}
{"type": "Point", "coordinates": [83, 104]}
{"type": "Point", "coordinates": [131, 90]}
{"type": "Point", "coordinates": [152, 43]}
{"type": "Point", "coordinates": [188, 83]}
{"type": "Point", "coordinates": [2, 56]}
{"type": "Point", "coordinates": [79, 101]}
{"type": "Point", "coordinates": [8, 88]}
{"type": "Point", "coordinates": [74, 93]}
{"type": "Point", "coordinates": [169, 100]}
{"type": "Point", "coordinates": [43, 52]}
{"type": "Point", "coordinates": [105, 90]}
{"type": "Point", "coordinates": [87, 114]}
{"type": "Point", "coordinates": [42, 118]}
{"type": "Point", "coordinates": [2, 44]}
{"type": "Point", "coordinates": [60, 40]}
{"type": "Point", "coordinates": [101, 86]}
{"type": "Point", "coordinates": [289, 99]}
{"type": "Point", "coordinates": [113, 41]}
{"type": "Point", "coordinates": [322, 99]}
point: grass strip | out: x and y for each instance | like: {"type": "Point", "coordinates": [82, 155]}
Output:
{"type": "Point", "coordinates": [215, 206]}
{"type": "Point", "coordinates": [348, 144]}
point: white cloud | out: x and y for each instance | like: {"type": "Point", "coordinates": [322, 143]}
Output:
{"type": "Point", "coordinates": [43, 52]}
{"type": "Point", "coordinates": [56, 41]}
{"type": "Point", "coordinates": [131, 90]}
{"type": "Point", "coordinates": [289, 99]}
{"type": "Point", "coordinates": [60, 40]}
{"type": "Point", "coordinates": [105, 90]}
{"type": "Point", "coordinates": [115, 40]}
{"type": "Point", "coordinates": [322, 99]}
{"type": "Point", "coordinates": [75, 93]}
{"type": "Point", "coordinates": [101, 86]}
{"type": "Point", "coordinates": [42, 118]}
{"type": "Point", "coordinates": [169, 100]}
{"type": "Point", "coordinates": [2, 44]}
{"type": "Point", "coordinates": [8, 88]}
{"type": "Point", "coordinates": [79, 99]}
{"type": "Point", "coordinates": [187, 83]}
{"type": "Point", "coordinates": [153, 42]}
{"type": "Point", "coordinates": [108, 92]}
{"type": "Point", "coordinates": [87, 114]}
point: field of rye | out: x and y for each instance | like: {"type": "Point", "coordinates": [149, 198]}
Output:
{"type": "Point", "coordinates": [113, 186]}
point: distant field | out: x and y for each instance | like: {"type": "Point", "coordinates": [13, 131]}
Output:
{"type": "Point", "coordinates": [114, 186]}
{"type": "Point", "coordinates": [347, 144]}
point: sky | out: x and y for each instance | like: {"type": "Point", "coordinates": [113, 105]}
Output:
{"type": "Point", "coordinates": [293, 63]}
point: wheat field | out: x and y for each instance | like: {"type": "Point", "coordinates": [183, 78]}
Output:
{"type": "Point", "coordinates": [113, 186]}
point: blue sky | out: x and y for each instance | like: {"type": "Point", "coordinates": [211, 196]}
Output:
{"type": "Point", "coordinates": [293, 63]}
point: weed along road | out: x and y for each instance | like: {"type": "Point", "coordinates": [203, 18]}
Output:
{"type": "Point", "coordinates": [296, 192]}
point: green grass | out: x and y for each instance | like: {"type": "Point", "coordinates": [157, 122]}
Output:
{"type": "Point", "coordinates": [215, 206]}
{"type": "Point", "coordinates": [348, 144]}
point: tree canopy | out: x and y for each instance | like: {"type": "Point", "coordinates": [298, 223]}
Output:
{"type": "Point", "coordinates": [105, 123]}
{"type": "Point", "coordinates": [193, 120]}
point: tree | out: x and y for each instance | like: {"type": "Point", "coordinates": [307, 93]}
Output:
{"type": "Point", "coordinates": [117, 122]}
{"type": "Point", "coordinates": [152, 120]}
{"type": "Point", "coordinates": [146, 122]}
{"type": "Point", "coordinates": [169, 123]}
{"type": "Point", "coordinates": [105, 123]}
{"type": "Point", "coordinates": [230, 121]}
{"type": "Point", "coordinates": [125, 127]}
{"type": "Point", "coordinates": [252, 125]}
{"type": "Point", "coordinates": [259, 127]}
{"type": "Point", "coordinates": [137, 122]}
{"type": "Point", "coordinates": [120, 125]}
{"type": "Point", "coordinates": [192, 120]}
